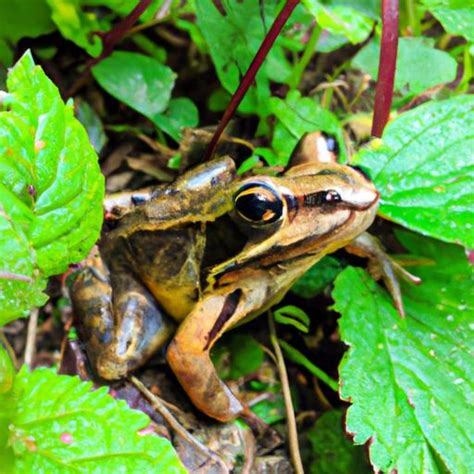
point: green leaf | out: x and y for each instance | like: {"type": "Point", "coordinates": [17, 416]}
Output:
{"type": "Point", "coordinates": [332, 452]}
{"type": "Point", "coordinates": [139, 81]}
{"type": "Point", "coordinates": [7, 371]}
{"type": "Point", "coordinates": [51, 188]}
{"type": "Point", "coordinates": [234, 39]}
{"type": "Point", "coordinates": [424, 170]}
{"type": "Point", "coordinates": [238, 355]}
{"type": "Point", "coordinates": [456, 16]}
{"type": "Point", "coordinates": [410, 381]}
{"type": "Point", "coordinates": [318, 277]}
{"type": "Point", "coordinates": [24, 18]}
{"type": "Point", "coordinates": [181, 113]}
{"type": "Point", "coordinates": [293, 316]}
{"type": "Point", "coordinates": [297, 115]}
{"type": "Point", "coordinates": [91, 121]}
{"type": "Point", "coordinates": [419, 65]}
{"type": "Point", "coordinates": [342, 20]}
{"type": "Point", "coordinates": [60, 425]}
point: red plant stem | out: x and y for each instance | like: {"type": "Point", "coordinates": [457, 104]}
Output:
{"type": "Point", "coordinates": [249, 76]}
{"type": "Point", "coordinates": [112, 37]}
{"type": "Point", "coordinates": [387, 63]}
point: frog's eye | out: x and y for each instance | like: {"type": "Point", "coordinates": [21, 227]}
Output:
{"type": "Point", "coordinates": [331, 196]}
{"type": "Point", "coordinates": [258, 203]}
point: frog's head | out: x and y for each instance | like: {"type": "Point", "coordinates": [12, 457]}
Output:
{"type": "Point", "coordinates": [313, 209]}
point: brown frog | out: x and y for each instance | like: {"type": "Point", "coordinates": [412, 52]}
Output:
{"type": "Point", "coordinates": [212, 250]}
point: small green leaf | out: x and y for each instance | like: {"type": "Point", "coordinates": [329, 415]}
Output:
{"type": "Point", "coordinates": [21, 18]}
{"type": "Point", "coordinates": [456, 16]}
{"type": "Point", "coordinates": [60, 425]}
{"type": "Point", "coordinates": [181, 113]}
{"type": "Point", "coordinates": [331, 451]}
{"type": "Point", "coordinates": [410, 381]}
{"type": "Point", "coordinates": [419, 65]}
{"type": "Point", "coordinates": [343, 20]}
{"type": "Point", "coordinates": [293, 316]}
{"type": "Point", "coordinates": [51, 188]}
{"type": "Point", "coordinates": [141, 82]}
{"type": "Point", "coordinates": [91, 121]}
{"type": "Point", "coordinates": [424, 170]}
{"type": "Point", "coordinates": [297, 115]}
{"type": "Point", "coordinates": [318, 277]}
{"type": "Point", "coordinates": [296, 356]}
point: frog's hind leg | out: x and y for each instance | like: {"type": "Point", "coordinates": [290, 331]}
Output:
{"type": "Point", "coordinates": [118, 321]}
{"type": "Point", "coordinates": [188, 353]}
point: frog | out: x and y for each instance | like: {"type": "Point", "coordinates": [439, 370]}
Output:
{"type": "Point", "coordinates": [193, 259]}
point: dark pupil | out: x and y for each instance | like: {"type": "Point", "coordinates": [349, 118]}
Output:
{"type": "Point", "coordinates": [331, 143]}
{"type": "Point", "coordinates": [257, 207]}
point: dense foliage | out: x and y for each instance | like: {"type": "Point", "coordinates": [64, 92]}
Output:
{"type": "Point", "coordinates": [409, 382]}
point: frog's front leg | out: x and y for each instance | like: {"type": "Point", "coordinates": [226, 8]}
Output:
{"type": "Point", "coordinates": [188, 353]}
{"type": "Point", "coordinates": [382, 266]}
{"type": "Point", "coordinates": [118, 320]}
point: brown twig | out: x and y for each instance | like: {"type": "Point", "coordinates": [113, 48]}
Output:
{"type": "Point", "coordinates": [290, 413]}
{"type": "Point", "coordinates": [387, 63]}
{"type": "Point", "coordinates": [31, 337]}
{"type": "Point", "coordinates": [249, 76]}
{"type": "Point", "coordinates": [160, 407]}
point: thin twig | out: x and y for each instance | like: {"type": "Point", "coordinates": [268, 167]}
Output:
{"type": "Point", "coordinates": [290, 413]}
{"type": "Point", "coordinates": [6, 344]}
{"type": "Point", "coordinates": [249, 76]}
{"type": "Point", "coordinates": [31, 337]}
{"type": "Point", "coordinates": [160, 407]}
{"type": "Point", "coordinates": [387, 63]}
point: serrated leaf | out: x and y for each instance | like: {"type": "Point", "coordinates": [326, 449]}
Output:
{"type": "Point", "coordinates": [60, 425]}
{"type": "Point", "coordinates": [293, 316]}
{"type": "Point", "coordinates": [297, 115]}
{"type": "Point", "coordinates": [51, 188]}
{"type": "Point", "coordinates": [424, 170]}
{"type": "Point", "coordinates": [410, 381]}
{"type": "Point", "coordinates": [344, 20]}
{"type": "Point", "coordinates": [419, 65]}
{"type": "Point", "coordinates": [139, 81]}
{"type": "Point", "coordinates": [234, 39]}
{"type": "Point", "coordinates": [331, 451]}
{"type": "Point", "coordinates": [456, 16]}
{"type": "Point", "coordinates": [318, 277]}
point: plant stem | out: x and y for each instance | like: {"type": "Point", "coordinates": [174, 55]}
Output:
{"type": "Point", "coordinates": [306, 58]}
{"type": "Point", "coordinates": [387, 63]}
{"type": "Point", "coordinates": [290, 412]}
{"type": "Point", "coordinates": [412, 20]}
{"type": "Point", "coordinates": [249, 76]}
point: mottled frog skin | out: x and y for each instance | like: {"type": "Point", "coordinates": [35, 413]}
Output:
{"type": "Point", "coordinates": [210, 251]}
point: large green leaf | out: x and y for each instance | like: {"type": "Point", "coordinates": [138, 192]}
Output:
{"type": "Point", "coordinates": [59, 425]}
{"type": "Point", "coordinates": [419, 65]}
{"type": "Point", "coordinates": [456, 16]}
{"type": "Point", "coordinates": [424, 169]}
{"type": "Point", "coordinates": [297, 115]}
{"type": "Point", "coordinates": [234, 39]}
{"type": "Point", "coordinates": [51, 188]}
{"type": "Point", "coordinates": [410, 381]}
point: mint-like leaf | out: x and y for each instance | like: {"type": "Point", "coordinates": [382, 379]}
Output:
{"type": "Point", "coordinates": [424, 170]}
{"type": "Point", "coordinates": [60, 425]}
{"type": "Point", "coordinates": [410, 381]}
{"type": "Point", "coordinates": [51, 188]}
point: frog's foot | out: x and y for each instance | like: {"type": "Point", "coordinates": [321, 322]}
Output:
{"type": "Point", "coordinates": [117, 320]}
{"type": "Point", "coordinates": [381, 265]}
